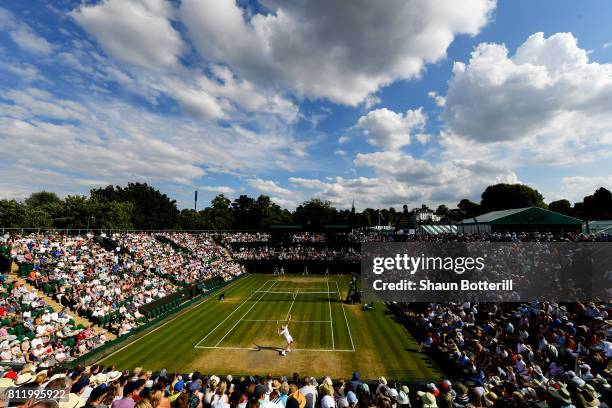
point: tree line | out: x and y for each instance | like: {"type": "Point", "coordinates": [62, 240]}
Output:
{"type": "Point", "coordinates": [140, 206]}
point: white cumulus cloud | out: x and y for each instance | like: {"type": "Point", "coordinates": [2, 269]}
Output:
{"type": "Point", "coordinates": [390, 130]}
{"type": "Point", "coordinates": [342, 51]}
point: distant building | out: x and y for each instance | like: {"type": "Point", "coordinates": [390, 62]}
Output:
{"type": "Point", "coordinates": [427, 216]}
{"type": "Point", "coordinates": [520, 219]}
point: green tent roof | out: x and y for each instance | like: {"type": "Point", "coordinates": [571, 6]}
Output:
{"type": "Point", "coordinates": [524, 216]}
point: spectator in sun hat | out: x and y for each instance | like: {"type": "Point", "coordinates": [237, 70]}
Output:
{"type": "Point", "coordinates": [428, 399]}
{"type": "Point", "coordinates": [24, 379]}
{"type": "Point", "coordinates": [561, 397]}
{"type": "Point", "coordinates": [591, 397]}
{"type": "Point", "coordinates": [382, 385]}
{"type": "Point", "coordinates": [403, 398]}
{"type": "Point", "coordinates": [6, 382]}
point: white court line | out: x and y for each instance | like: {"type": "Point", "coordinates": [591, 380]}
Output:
{"type": "Point", "coordinates": [345, 319]}
{"type": "Point", "coordinates": [279, 348]}
{"type": "Point", "coordinates": [291, 307]}
{"type": "Point", "coordinates": [243, 316]}
{"type": "Point", "coordinates": [228, 316]}
{"type": "Point", "coordinates": [293, 321]}
{"type": "Point", "coordinates": [171, 320]}
{"type": "Point", "coordinates": [331, 319]}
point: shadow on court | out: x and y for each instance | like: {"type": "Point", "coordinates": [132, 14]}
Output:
{"type": "Point", "coordinates": [273, 348]}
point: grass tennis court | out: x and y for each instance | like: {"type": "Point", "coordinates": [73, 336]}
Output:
{"type": "Point", "coordinates": [239, 334]}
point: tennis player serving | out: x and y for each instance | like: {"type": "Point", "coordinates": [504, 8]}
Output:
{"type": "Point", "coordinates": [283, 330]}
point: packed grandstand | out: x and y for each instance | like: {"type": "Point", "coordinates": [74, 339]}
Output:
{"type": "Point", "coordinates": [497, 354]}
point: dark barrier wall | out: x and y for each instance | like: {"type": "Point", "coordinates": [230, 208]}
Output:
{"type": "Point", "coordinates": [5, 264]}
{"type": "Point", "coordinates": [329, 245]}
{"type": "Point", "coordinates": [318, 267]}
{"type": "Point", "coordinates": [157, 307]}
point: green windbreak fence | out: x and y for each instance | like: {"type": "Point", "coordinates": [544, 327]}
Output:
{"type": "Point", "coordinates": [163, 305]}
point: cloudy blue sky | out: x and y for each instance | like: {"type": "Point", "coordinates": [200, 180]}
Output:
{"type": "Point", "coordinates": [383, 102]}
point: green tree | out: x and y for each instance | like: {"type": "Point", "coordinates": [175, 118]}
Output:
{"type": "Point", "coordinates": [219, 216]}
{"type": "Point", "coordinates": [599, 205]}
{"type": "Point", "coordinates": [113, 215]}
{"type": "Point", "coordinates": [151, 209]}
{"type": "Point", "coordinates": [41, 199]}
{"type": "Point", "coordinates": [37, 218]}
{"type": "Point", "coordinates": [12, 214]}
{"type": "Point", "coordinates": [561, 206]}
{"type": "Point", "coordinates": [270, 213]}
{"type": "Point", "coordinates": [469, 209]}
{"type": "Point", "coordinates": [442, 210]}
{"type": "Point", "coordinates": [245, 213]}
{"type": "Point", "coordinates": [506, 196]}
{"type": "Point", "coordinates": [74, 212]}
{"type": "Point", "coordinates": [315, 213]}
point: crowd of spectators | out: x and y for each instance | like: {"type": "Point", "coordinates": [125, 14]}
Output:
{"type": "Point", "coordinates": [105, 387]}
{"type": "Point", "coordinates": [499, 354]}
{"type": "Point", "coordinates": [182, 258]}
{"type": "Point", "coordinates": [205, 257]}
{"type": "Point", "coordinates": [296, 253]}
{"type": "Point", "coordinates": [109, 287]}
{"type": "Point", "coordinates": [520, 351]}
{"type": "Point", "coordinates": [32, 332]}
{"type": "Point", "coordinates": [308, 237]}
{"type": "Point", "coordinates": [231, 237]}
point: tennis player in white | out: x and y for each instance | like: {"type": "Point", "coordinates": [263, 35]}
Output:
{"type": "Point", "coordinates": [283, 330]}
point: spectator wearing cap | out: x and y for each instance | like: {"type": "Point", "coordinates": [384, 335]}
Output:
{"type": "Point", "coordinates": [177, 389]}
{"type": "Point", "coordinates": [260, 394]}
{"type": "Point", "coordinates": [354, 383]}
{"type": "Point", "coordinates": [445, 399]}
{"type": "Point", "coordinates": [193, 389]}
